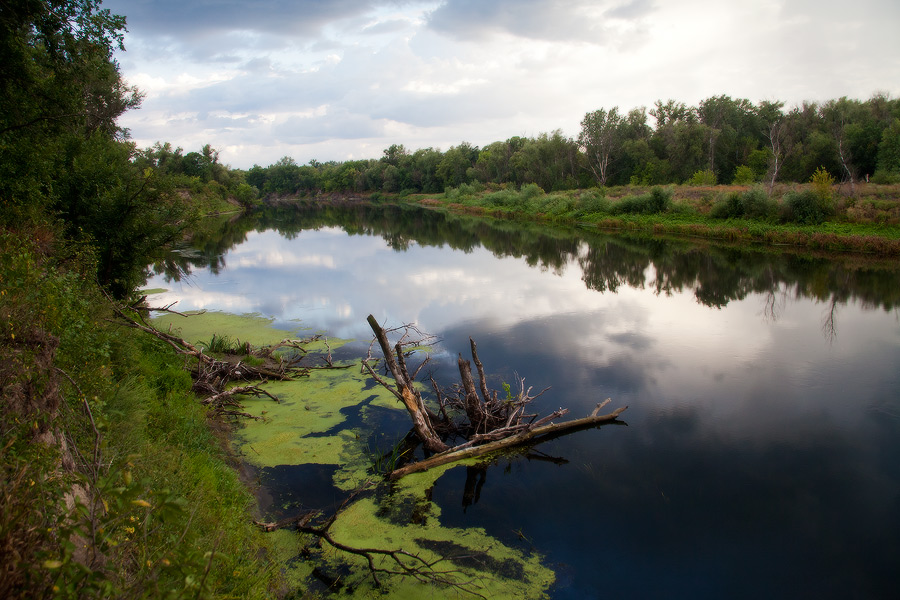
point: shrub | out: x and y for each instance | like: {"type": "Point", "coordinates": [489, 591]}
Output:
{"type": "Point", "coordinates": [503, 198]}
{"type": "Point", "coordinates": [657, 201]}
{"type": "Point", "coordinates": [470, 189]}
{"type": "Point", "coordinates": [743, 175]}
{"type": "Point", "coordinates": [883, 177]}
{"type": "Point", "coordinates": [806, 208]}
{"type": "Point", "coordinates": [822, 182]}
{"type": "Point", "coordinates": [531, 191]}
{"type": "Point", "coordinates": [705, 177]}
{"type": "Point", "coordinates": [757, 204]}
{"type": "Point", "coordinates": [729, 207]}
{"type": "Point", "coordinates": [592, 202]}
{"type": "Point", "coordinates": [752, 204]}
{"type": "Point", "coordinates": [559, 204]}
{"type": "Point", "coordinates": [660, 200]}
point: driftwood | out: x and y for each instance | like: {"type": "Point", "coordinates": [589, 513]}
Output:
{"type": "Point", "coordinates": [405, 390]}
{"type": "Point", "coordinates": [492, 422]}
{"type": "Point", "coordinates": [213, 376]}
{"type": "Point", "coordinates": [528, 436]}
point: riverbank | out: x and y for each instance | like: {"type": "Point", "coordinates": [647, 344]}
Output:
{"type": "Point", "coordinates": [866, 221]}
{"type": "Point", "coordinates": [114, 481]}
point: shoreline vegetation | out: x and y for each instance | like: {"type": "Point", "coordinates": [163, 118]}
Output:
{"type": "Point", "coordinates": [866, 223]}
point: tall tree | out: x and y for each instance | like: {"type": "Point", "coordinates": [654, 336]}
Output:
{"type": "Point", "coordinates": [600, 139]}
{"type": "Point", "coordinates": [775, 130]}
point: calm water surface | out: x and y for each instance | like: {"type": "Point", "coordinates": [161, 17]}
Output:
{"type": "Point", "coordinates": [761, 456]}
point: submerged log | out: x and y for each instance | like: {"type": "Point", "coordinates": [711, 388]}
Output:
{"type": "Point", "coordinates": [493, 423]}
{"type": "Point", "coordinates": [535, 435]}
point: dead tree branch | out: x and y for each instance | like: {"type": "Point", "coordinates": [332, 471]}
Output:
{"type": "Point", "coordinates": [405, 390]}
{"type": "Point", "coordinates": [212, 376]}
{"type": "Point", "coordinates": [529, 435]}
{"type": "Point", "coordinates": [405, 563]}
{"type": "Point", "coordinates": [492, 422]}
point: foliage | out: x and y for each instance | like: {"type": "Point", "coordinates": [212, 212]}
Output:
{"type": "Point", "coordinates": [657, 201]}
{"type": "Point", "coordinates": [743, 175]}
{"type": "Point", "coordinates": [807, 208]}
{"type": "Point", "coordinates": [704, 177]}
{"type": "Point", "coordinates": [600, 138]}
{"type": "Point", "coordinates": [721, 138]}
{"type": "Point", "coordinates": [102, 446]}
{"type": "Point", "coordinates": [889, 149]}
{"type": "Point", "coordinates": [223, 344]}
{"type": "Point", "coordinates": [157, 512]}
{"type": "Point", "coordinates": [385, 461]}
{"type": "Point", "coordinates": [822, 182]}
{"type": "Point", "coordinates": [751, 204]}
{"type": "Point", "coordinates": [62, 154]}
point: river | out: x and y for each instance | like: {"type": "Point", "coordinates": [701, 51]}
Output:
{"type": "Point", "coordinates": [760, 451]}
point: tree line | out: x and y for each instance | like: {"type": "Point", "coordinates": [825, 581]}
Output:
{"type": "Point", "coordinates": [721, 140]}
{"type": "Point", "coordinates": [63, 156]}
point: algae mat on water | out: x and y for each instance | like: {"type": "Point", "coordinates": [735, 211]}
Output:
{"type": "Point", "coordinates": [325, 419]}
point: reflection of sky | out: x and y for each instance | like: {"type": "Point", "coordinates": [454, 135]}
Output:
{"type": "Point", "coordinates": [658, 352]}
{"type": "Point", "coordinates": [749, 435]}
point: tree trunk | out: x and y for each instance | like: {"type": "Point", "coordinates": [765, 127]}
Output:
{"type": "Point", "coordinates": [531, 435]}
{"type": "Point", "coordinates": [405, 391]}
{"type": "Point", "coordinates": [493, 423]}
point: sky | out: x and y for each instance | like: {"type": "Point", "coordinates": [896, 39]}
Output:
{"type": "Point", "coordinates": [345, 79]}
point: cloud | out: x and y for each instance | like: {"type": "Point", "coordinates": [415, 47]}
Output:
{"type": "Point", "coordinates": [558, 20]}
{"type": "Point", "coordinates": [352, 77]}
{"type": "Point", "coordinates": [174, 18]}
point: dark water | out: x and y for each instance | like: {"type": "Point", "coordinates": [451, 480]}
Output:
{"type": "Point", "coordinates": [761, 455]}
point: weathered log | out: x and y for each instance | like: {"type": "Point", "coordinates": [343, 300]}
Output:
{"type": "Point", "coordinates": [406, 391]}
{"type": "Point", "coordinates": [528, 436]}
{"type": "Point", "coordinates": [471, 403]}
{"type": "Point", "coordinates": [493, 424]}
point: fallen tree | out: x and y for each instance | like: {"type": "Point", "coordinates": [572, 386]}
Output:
{"type": "Point", "coordinates": [213, 375]}
{"type": "Point", "coordinates": [492, 422]}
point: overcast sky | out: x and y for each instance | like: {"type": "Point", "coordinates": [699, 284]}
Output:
{"type": "Point", "coordinates": [345, 79]}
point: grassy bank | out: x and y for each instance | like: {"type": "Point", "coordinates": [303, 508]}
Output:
{"type": "Point", "coordinates": [816, 216]}
{"type": "Point", "coordinates": [114, 484]}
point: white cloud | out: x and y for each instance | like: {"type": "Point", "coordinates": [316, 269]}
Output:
{"type": "Point", "coordinates": [349, 78]}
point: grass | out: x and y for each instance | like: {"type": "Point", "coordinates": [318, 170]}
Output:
{"type": "Point", "coordinates": [224, 344]}
{"type": "Point", "coordinates": [113, 482]}
{"type": "Point", "coordinates": [866, 220]}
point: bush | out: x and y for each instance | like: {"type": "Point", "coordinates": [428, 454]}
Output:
{"type": "Point", "coordinates": [757, 204]}
{"type": "Point", "coordinates": [743, 175]}
{"type": "Point", "coordinates": [883, 177]}
{"type": "Point", "coordinates": [657, 201]}
{"type": "Point", "coordinates": [806, 208]}
{"type": "Point", "coordinates": [592, 202]}
{"type": "Point", "coordinates": [530, 191]}
{"type": "Point", "coordinates": [465, 191]}
{"type": "Point", "coordinates": [503, 198]}
{"type": "Point", "coordinates": [752, 204]}
{"type": "Point", "coordinates": [822, 182]}
{"type": "Point", "coordinates": [559, 204]}
{"type": "Point", "coordinates": [705, 177]}
{"type": "Point", "coordinates": [660, 200]}
{"type": "Point", "coordinates": [729, 207]}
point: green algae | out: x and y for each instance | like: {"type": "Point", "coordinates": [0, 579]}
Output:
{"type": "Point", "coordinates": [468, 557]}
{"type": "Point", "coordinates": [252, 328]}
{"type": "Point", "coordinates": [311, 424]}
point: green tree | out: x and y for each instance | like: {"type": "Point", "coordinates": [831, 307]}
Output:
{"type": "Point", "coordinates": [454, 166]}
{"type": "Point", "coordinates": [62, 153]}
{"type": "Point", "coordinates": [889, 149]}
{"type": "Point", "coordinates": [129, 215]}
{"type": "Point", "coordinates": [601, 139]}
